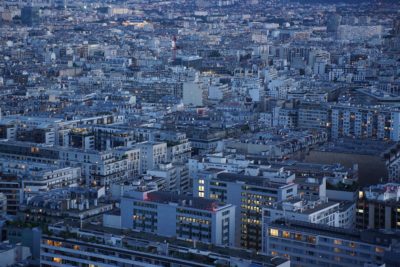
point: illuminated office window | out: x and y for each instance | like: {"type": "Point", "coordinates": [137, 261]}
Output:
{"type": "Point", "coordinates": [274, 232]}
{"type": "Point", "coordinates": [286, 234]}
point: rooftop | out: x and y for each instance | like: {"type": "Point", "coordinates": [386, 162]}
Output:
{"type": "Point", "coordinates": [251, 180]}
{"type": "Point", "coordinates": [183, 201]}
{"type": "Point", "coordinates": [373, 237]}
{"type": "Point", "coordinates": [383, 192]}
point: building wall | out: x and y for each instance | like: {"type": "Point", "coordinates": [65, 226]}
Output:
{"type": "Point", "coordinates": [248, 202]}
{"type": "Point", "coordinates": [312, 249]}
{"type": "Point", "coordinates": [192, 94]}
{"type": "Point", "coordinates": [183, 222]}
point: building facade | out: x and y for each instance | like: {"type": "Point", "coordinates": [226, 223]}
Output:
{"type": "Point", "coordinates": [186, 218]}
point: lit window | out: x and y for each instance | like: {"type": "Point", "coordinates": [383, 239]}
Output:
{"type": "Point", "coordinates": [337, 242]}
{"type": "Point", "coordinates": [311, 239]}
{"type": "Point", "coordinates": [360, 211]}
{"type": "Point", "coordinates": [379, 250]}
{"type": "Point", "coordinates": [273, 232]}
{"type": "Point", "coordinates": [201, 188]}
{"type": "Point", "coordinates": [34, 150]}
{"type": "Point", "coordinates": [201, 181]}
{"type": "Point", "coordinates": [360, 194]}
{"type": "Point", "coordinates": [201, 194]}
{"type": "Point", "coordinates": [57, 260]}
{"type": "Point", "coordinates": [286, 234]}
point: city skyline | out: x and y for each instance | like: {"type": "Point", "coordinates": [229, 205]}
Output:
{"type": "Point", "coordinates": [199, 133]}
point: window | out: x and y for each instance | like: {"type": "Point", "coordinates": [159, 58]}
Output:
{"type": "Point", "coordinates": [201, 194]}
{"type": "Point", "coordinates": [337, 242]}
{"type": "Point", "coordinates": [286, 234]}
{"type": "Point", "coordinates": [273, 232]}
{"type": "Point", "coordinates": [201, 181]}
{"type": "Point", "coordinates": [57, 260]}
{"type": "Point", "coordinates": [311, 239]}
{"type": "Point", "coordinates": [225, 213]}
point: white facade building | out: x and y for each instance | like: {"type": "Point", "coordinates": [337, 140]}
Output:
{"type": "Point", "coordinates": [152, 154]}
{"type": "Point", "coordinates": [193, 94]}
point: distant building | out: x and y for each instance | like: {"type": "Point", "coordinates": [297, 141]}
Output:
{"type": "Point", "coordinates": [75, 204]}
{"type": "Point", "coordinates": [313, 116]}
{"type": "Point", "coordinates": [333, 23]}
{"type": "Point", "coordinates": [152, 154]}
{"type": "Point", "coordinates": [3, 204]}
{"type": "Point", "coordinates": [378, 207]}
{"type": "Point", "coordinates": [358, 33]}
{"type": "Point", "coordinates": [12, 189]}
{"type": "Point", "coordinates": [171, 215]}
{"type": "Point", "coordinates": [86, 247]}
{"type": "Point", "coordinates": [19, 233]}
{"type": "Point", "coordinates": [250, 193]}
{"type": "Point", "coordinates": [308, 244]}
{"type": "Point", "coordinates": [312, 210]}
{"type": "Point", "coordinates": [364, 122]}
{"type": "Point", "coordinates": [30, 15]}
{"type": "Point", "coordinates": [13, 255]}
{"type": "Point", "coordinates": [194, 94]}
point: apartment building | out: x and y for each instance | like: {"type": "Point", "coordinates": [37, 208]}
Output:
{"type": "Point", "coordinates": [309, 244]}
{"type": "Point", "coordinates": [99, 248]}
{"type": "Point", "coordinates": [378, 207]}
{"type": "Point", "coordinates": [183, 217]}
{"type": "Point", "coordinates": [249, 192]}
{"type": "Point", "coordinates": [320, 211]}
{"type": "Point", "coordinates": [364, 122]}
{"type": "Point", "coordinates": [152, 154]}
